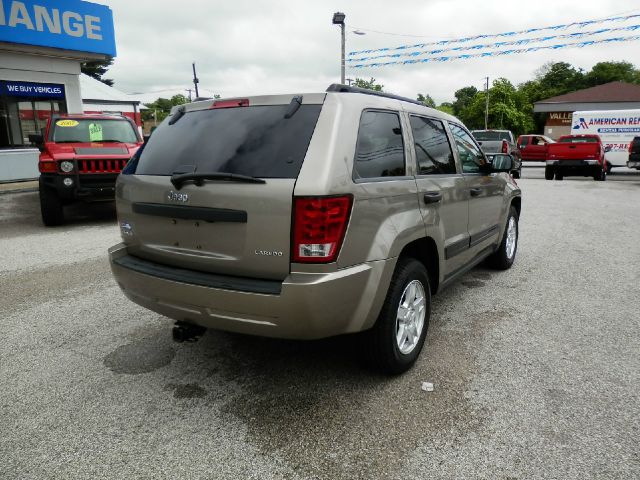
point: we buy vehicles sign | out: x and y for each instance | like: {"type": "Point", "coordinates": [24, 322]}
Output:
{"type": "Point", "coordinates": [30, 89]}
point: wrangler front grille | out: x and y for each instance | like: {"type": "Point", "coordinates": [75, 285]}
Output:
{"type": "Point", "coordinates": [110, 165]}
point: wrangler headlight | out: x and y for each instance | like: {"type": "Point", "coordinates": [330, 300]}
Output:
{"type": "Point", "coordinates": [66, 167]}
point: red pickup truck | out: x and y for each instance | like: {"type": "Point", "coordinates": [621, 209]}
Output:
{"type": "Point", "coordinates": [533, 148]}
{"type": "Point", "coordinates": [576, 155]}
{"type": "Point", "coordinates": [81, 157]}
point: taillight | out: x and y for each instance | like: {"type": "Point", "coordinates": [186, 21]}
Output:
{"type": "Point", "coordinates": [631, 147]}
{"type": "Point", "coordinates": [505, 147]}
{"type": "Point", "coordinates": [238, 102]}
{"type": "Point", "coordinates": [48, 167]}
{"type": "Point", "coordinates": [319, 225]}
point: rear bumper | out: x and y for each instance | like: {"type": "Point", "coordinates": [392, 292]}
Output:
{"type": "Point", "coordinates": [308, 305]}
{"type": "Point", "coordinates": [575, 167]}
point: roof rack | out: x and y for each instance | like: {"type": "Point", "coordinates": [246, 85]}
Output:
{"type": "Point", "coordinates": [339, 88]}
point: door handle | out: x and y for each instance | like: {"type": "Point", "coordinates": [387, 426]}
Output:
{"type": "Point", "coordinates": [432, 197]}
{"type": "Point", "coordinates": [475, 192]}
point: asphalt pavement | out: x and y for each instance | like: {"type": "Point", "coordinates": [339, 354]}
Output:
{"type": "Point", "coordinates": [536, 370]}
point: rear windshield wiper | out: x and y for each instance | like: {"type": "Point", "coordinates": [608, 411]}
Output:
{"type": "Point", "coordinates": [178, 179]}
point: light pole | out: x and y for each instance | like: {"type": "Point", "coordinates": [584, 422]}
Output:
{"type": "Point", "coordinates": [338, 19]}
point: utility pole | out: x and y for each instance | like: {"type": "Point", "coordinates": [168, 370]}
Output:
{"type": "Point", "coordinates": [486, 104]}
{"type": "Point", "coordinates": [195, 79]}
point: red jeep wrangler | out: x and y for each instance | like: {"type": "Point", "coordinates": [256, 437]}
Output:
{"type": "Point", "coordinates": [81, 157]}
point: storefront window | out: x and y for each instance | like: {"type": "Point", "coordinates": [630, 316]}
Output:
{"type": "Point", "coordinates": [24, 115]}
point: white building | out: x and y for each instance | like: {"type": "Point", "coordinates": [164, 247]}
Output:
{"type": "Point", "coordinates": [42, 45]}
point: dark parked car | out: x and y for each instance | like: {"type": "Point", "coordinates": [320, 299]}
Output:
{"type": "Point", "coordinates": [634, 154]}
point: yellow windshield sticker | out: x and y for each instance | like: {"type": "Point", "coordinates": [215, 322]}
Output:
{"type": "Point", "coordinates": [67, 123]}
{"type": "Point", "coordinates": [95, 132]}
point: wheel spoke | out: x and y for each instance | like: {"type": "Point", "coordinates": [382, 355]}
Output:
{"type": "Point", "coordinates": [401, 335]}
{"type": "Point", "coordinates": [411, 294]}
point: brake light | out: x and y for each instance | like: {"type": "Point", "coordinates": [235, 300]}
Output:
{"type": "Point", "coordinates": [505, 147]}
{"type": "Point", "coordinates": [48, 167]}
{"type": "Point", "coordinates": [319, 225]}
{"type": "Point", "coordinates": [238, 102]}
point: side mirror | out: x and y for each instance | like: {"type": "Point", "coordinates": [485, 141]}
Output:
{"type": "Point", "coordinates": [37, 140]}
{"type": "Point", "coordinates": [607, 148]}
{"type": "Point", "coordinates": [501, 162]}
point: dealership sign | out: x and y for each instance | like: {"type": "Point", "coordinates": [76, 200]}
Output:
{"type": "Point", "coordinates": [33, 90]}
{"type": "Point", "coordinates": [65, 24]}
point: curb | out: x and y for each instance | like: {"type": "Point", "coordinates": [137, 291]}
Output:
{"type": "Point", "coordinates": [21, 190]}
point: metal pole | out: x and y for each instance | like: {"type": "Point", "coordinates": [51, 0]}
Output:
{"type": "Point", "coordinates": [195, 79]}
{"type": "Point", "coordinates": [342, 56]}
{"type": "Point", "coordinates": [486, 105]}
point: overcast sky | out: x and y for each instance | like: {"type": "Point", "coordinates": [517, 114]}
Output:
{"type": "Point", "coordinates": [244, 47]}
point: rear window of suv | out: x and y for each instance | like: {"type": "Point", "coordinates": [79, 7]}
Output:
{"type": "Point", "coordinates": [256, 141]}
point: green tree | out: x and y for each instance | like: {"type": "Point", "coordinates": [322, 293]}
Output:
{"type": "Point", "coordinates": [368, 84]}
{"type": "Point", "coordinates": [161, 107]}
{"type": "Point", "coordinates": [446, 107]}
{"type": "Point", "coordinates": [559, 78]}
{"type": "Point", "coordinates": [464, 98]}
{"type": "Point", "coordinates": [605, 72]}
{"type": "Point", "coordinates": [426, 100]}
{"type": "Point", "coordinates": [97, 68]}
{"type": "Point", "coordinates": [508, 109]}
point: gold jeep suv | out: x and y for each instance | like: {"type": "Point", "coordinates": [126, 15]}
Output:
{"type": "Point", "coordinates": [310, 215]}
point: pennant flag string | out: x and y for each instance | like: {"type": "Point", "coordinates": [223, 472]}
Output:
{"type": "Point", "coordinates": [523, 41]}
{"type": "Point", "coordinates": [582, 24]}
{"type": "Point", "coordinates": [496, 53]}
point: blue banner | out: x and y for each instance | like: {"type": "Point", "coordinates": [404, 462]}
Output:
{"type": "Point", "coordinates": [496, 53]}
{"type": "Point", "coordinates": [500, 35]}
{"type": "Point", "coordinates": [66, 24]}
{"type": "Point", "coordinates": [34, 90]}
{"type": "Point", "coordinates": [520, 41]}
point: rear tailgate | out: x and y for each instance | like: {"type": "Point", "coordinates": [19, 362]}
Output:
{"type": "Point", "coordinates": [573, 151]}
{"type": "Point", "coordinates": [491, 146]}
{"type": "Point", "coordinates": [220, 225]}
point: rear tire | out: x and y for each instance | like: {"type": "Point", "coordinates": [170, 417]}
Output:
{"type": "Point", "coordinates": [548, 173]}
{"type": "Point", "coordinates": [50, 206]}
{"type": "Point", "coordinates": [504, 257]}
{"type": "Point", "coordinates": [395, 341]}
{"type": "Point", "coordinates": [609, 167]}
{"type": "Point", "coordinates": [559, 176]}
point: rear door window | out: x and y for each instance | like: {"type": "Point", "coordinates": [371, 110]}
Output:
{"type": "Point", "coordinates": [380, 148]}
{"type": "Point", "coordinates": [432, 147]}
{"type": "Point", "coordinates": [255, 141]}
